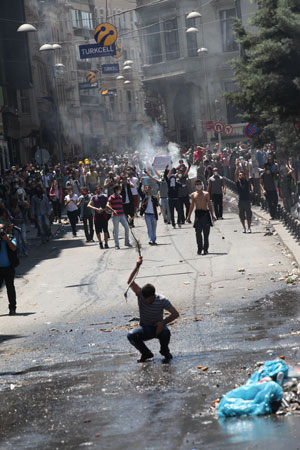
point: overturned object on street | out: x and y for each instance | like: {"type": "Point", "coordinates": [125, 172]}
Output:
{"type": "Point", "coordinates": [262, 394]}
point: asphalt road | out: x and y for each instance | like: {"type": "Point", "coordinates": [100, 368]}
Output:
{"type": "Point", "coordinates": [69, 378]}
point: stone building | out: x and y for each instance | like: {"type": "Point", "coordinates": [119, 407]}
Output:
{"type": "Point", "coordinates": [186, 66]}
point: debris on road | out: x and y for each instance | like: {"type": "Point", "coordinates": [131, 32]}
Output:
{"type": "Point", "coordinates": [274, 388]}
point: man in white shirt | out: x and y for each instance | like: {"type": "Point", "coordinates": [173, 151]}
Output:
{"type": "Point", "coordinates": [134, 190]}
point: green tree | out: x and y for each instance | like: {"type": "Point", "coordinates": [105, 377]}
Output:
{"type": "Point", "coordinates": [268, 69]}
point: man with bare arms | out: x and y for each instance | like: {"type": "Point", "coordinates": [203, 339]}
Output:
{"type": "Point", "coordinates": [203, 213]}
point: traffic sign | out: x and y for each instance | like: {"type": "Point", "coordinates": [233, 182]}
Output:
{"type": "Point", "coordinates": [252, 130]}
{"type": "Point", "coordinates": [96, 51]}
{"type": "Point", "coordinates": [228, 129]}
{"type": "Point", "coordinates": [110, 68]}
{"type": "Point", "coordinates": [219, 127]}
{"type": "Point", "coordinates": [105, 34]}
{"type": "Point", "coordinates": [85, 85]}
{"type": "Point", "coordinates": [42, 156]}
{"type": "Point", "coordinates": [207, 124]}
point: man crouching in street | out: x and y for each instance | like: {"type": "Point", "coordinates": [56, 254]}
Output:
{"type": "Point", "coordinates": [152, 323]}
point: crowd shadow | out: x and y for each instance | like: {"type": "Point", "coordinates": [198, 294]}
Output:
{"type": "Point", "coordinates": [50, 250]}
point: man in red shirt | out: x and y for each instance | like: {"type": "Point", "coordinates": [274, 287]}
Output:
{"type": "Point", "coordinates": [198, 155]}
{"type": "Point", "coordinates": [115, 202]}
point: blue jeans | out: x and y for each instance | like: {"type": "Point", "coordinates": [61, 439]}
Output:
{"type": "Point", "coordinates": [137, 337]}
{"type": "Point", "coordinates": [123, 221]}
{"type": "Point", "coordinates": [44, 226]}
{"type": "Point", "coordinates": [151, 223]}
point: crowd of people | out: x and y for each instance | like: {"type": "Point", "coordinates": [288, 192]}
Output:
{"type": "Point", "coordinates": [117, 188]}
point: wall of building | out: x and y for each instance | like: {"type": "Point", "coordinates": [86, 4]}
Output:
{"type": "Point", "coordinates": [192, 84]}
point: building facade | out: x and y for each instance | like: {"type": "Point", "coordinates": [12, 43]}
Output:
{"type": "Point", "coordinates": [43, 103]}
{"type": "Point", "coordinates": [186, 65]}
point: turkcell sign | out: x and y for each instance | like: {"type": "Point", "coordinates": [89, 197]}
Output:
{"type": "Point", "coordinates": [96, 51]}
{"type": "Point", "coordinates": [86, 85]}
{"type": "Point", "coordinates": [108, 92]}
{"type": "Point", "coordinates": [110, 68]}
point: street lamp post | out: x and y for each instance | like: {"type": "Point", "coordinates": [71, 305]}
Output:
{"type": "Point", "coordinates": [28, 28]}
{"type": "Point", "coordinates": [51, 48]}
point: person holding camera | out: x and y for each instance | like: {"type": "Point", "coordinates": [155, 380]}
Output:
{"type": "Point", "coordinates": [8, 256]}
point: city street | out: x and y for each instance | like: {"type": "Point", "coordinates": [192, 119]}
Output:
{"type": "Point", "coordinates": [69, 377]}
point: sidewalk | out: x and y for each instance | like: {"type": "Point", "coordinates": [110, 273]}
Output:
{"type": "Point", "coordinates": [283, 233]}
{"type": "Point", "coordinates": [278, 226]}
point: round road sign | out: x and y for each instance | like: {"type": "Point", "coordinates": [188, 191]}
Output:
{"type": "Point", "coordinates": [219, 127]}
{"type": "Point", "coordinates": [228, 129]}
{"type": "Point", "coordinates": [251, 130]}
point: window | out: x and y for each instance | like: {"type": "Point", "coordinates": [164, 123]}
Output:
{"type": "Point", "coordinates": [87, 20]}
{"type": "Point", "coordinates": [129, 100]}
{"type": "Point", "coordinates": [24, 101]}
{"type": "Point", "coordinates": [191, 38]}
{"type": "Point", "coordinates": [121, 100]}
{"type": "Point", "coordinates": [232, 111]}
{"type": "Point", "coordinates": [76, 18]}
{"type": "Point", "coordinates": [82, 19]}
{"type": "Point", "coordinates": [112, 103]}
{"type": "Point", "coordinates": [171, 39]}
{"type": "Point", "coordinates": [101, 15]}
{"type": "Point", "coordinates": [227, 18]}
{"type": "Point", "coordinates": [153, 44]}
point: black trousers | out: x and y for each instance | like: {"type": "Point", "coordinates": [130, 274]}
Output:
{"type": "Point", "coordinates": [183, 201]}
{"type": "Point", "coordinates": [129, 211]}
{"type": "Point", "coordinates": [202, 228]}
{"type": "Point", "coordinates": [56, 209]}
{"type": "Point", "coordinates": [88, 227]}
{"type": "Point", "coordinates": [174, 204]}
{"type": "Point", "coordinates": [218, 204]}
{"type": "Point", "coordinates": [7, 274]}
{"type": "Point", "coordinates": [73, 218]}
{"type": "Point", "coordinates": [272, 199]}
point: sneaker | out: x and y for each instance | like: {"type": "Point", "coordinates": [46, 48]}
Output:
{"type": "Point", "coordinates": [205, 252]}
{"type": "Point", "coordinates": [106, 246]}
{"type": "Point", "coordinates": [199, 252]}
{"type": "Point", "coordinates": [249, 230]}
{"type": "Point", "coordinates": [144, 357]}
{"type": "Point", "coordinates": [154, 243]}
{"type": "Point", "coordinates": [101, 244]}
{"type": "Point", "coordinates": [150, 243]}
{"type": "Point", "coordinates": [244, 230]}
{"type": "Point", "coordinates": [128, 244]}
{"type": "Point", "coordinates": [117, 247]}
{"type": "Point", "coordinates": [12, 312]}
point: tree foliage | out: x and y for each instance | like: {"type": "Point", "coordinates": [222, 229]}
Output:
{"type": "Point", "coordinates": [268, 69]}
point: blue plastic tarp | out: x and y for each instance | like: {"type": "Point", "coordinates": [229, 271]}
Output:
{"type": "Point", "coordinates": [269, 369]}
{"type": "Point", "coordinates": [255, 398]}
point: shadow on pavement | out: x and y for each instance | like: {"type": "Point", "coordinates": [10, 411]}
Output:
{"type": "Point", "coordinates": [19, 314]}
{"type": "Point", "coordinates": [7, 337]}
